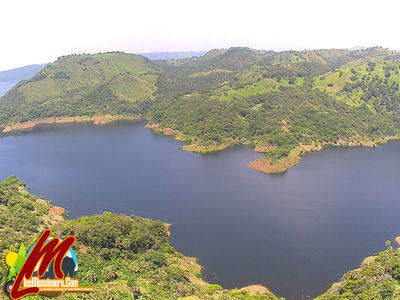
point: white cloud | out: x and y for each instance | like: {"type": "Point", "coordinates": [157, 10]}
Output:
{"type": "Point", "coordinates": [40, 31]}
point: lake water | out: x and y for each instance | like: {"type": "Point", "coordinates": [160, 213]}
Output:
{"type": "Point", "coordinates": [295, 232]}
{"type": "Point", "coordinates": [5, 86]}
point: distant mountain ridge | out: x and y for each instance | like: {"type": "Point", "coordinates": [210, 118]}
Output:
{"type": "Point", "coordinates": [22, 73]}
{"type": "Point", "coordinates": [358, 47]}
{"type": "Point", "coordinates": [172, 55]}
{"type": "Point", "coordinates": [10, 78]}
{"type": "Point", "coordinates": [282, 104]}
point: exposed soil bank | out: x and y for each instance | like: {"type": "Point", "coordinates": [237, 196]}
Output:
{"type": "Point", "coordinates": [263, 164]}
{"type": "Point", "coordinates": [397, 239]}
{"type": "Point", "coordinates": [98, 120]}
{"type": "Point", "coordinates": [281, 165]}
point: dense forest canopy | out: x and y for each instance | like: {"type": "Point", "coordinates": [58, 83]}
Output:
{"type": "Point", "coordinates": [275, 101]}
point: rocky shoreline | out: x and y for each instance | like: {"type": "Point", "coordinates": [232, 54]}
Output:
{"type": "Point", "coordinates": [97, 120]}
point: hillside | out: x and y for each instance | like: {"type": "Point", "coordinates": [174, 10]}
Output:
{"type": "Point", "coordinates": [282, 104]}
{"type": "Point", "coordinates": [119, 256]}
{"type": "Point", "coordinates": [111, 83]}
{"type": "Point", "coordinates": [22, 73]}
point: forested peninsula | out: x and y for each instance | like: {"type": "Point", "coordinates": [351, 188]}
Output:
{"type": "Point", "coordinates": [282, 104]}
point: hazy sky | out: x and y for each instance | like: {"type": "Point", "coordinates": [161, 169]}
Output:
{"type": "Point", "coordinates": [40, 31]}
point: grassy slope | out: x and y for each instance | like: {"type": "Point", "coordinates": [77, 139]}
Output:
{"type": "Point", "coordinates": [117, 254]}
{"type": "Point", "coordinates": [285, 103]}
{"type": "Point", "coordinates": [111, 83]}
{"type": "Point", "coordinates": [269, 101]}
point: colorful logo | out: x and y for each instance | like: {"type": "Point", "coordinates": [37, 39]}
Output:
{"type": "Point", "coordinates": [49, 268]}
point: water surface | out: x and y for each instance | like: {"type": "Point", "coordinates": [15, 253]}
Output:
{"type": "Point", "coordinates": [295, 232]}
{"type": "Point", "coordinates": [5, 86]}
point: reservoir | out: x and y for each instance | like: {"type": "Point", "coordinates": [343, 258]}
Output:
{"type": "Point", "coordinates": [295, 232]}
{"type": "Point", "coordinates": [5, 86]}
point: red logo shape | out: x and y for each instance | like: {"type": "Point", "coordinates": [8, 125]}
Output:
{"type": "Point", "coordinates": [46, 252]}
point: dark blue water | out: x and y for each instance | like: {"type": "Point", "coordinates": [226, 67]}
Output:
{"type": "Point", "coordinates": [5, 86]}
{"type": "Point", "coordinates": [295, 233]}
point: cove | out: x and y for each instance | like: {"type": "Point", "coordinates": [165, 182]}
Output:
{"type": "Point", "coordinates": [295, 232]}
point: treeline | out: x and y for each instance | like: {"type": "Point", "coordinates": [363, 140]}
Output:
{"type": "Point", "coordinates": [283, 119]}
{"type": "Point", "coordinates": [235, 95]}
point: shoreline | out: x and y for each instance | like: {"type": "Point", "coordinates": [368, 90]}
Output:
{"type": "Point", "coordinates": [97, 120]}
{"type": "Point", "coordinates": [252, 288]}
{"type": "Point", "coordinates": [335, 286]}
{"type": "Point", "coordinates": [53, 215]}
{"type": "Point", "coordinates": [294, 157]}
{"type": "Point", "coordinates": [262, 164]}
{"type": "Point", "coordinates": [56, 215]}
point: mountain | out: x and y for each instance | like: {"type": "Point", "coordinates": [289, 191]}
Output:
{"type": "Point", "coordinates": [10, 78]}
{"type": "Point", "coordinates": [172, 55]}
{"type": "Point", "coordinates": [358, 47]}
{"type": "Point", "coordinates": [121, 257]}
{"type": "Point", "coordinates": [20, 73]}
{"type": "Point", "coordinates": [282, 104]}
{"type": "Point", "coordinates": [111, 83]}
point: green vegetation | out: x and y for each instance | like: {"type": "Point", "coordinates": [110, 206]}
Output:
{"type": "Point", "coordinates": [22, 215]}
{"type": "Point", "coordinates": [283, 103]}
{"type": "Point", "coordinates": [122, 257]}
{"type": "Point", "coordinates": [377, 278]}
{"type": "Point", "coordinates": [125, 257]}
{"type": "Point", "coordinates": [83, 85]}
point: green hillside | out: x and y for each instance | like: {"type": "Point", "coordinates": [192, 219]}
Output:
{"type": "Point", "coordinates": [111, 83]}
{"type": "Point", "coordinates": [119, 256]}
{"type": "Point", "coordinates": [282, 104]}
{"type": "Point", "coordinates": [377, 278]}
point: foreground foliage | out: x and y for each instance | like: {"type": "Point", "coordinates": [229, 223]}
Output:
{"type": "Point", "coordinates": [122, 257]}
{"type": "Point", "coordinates": [377, 278]}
